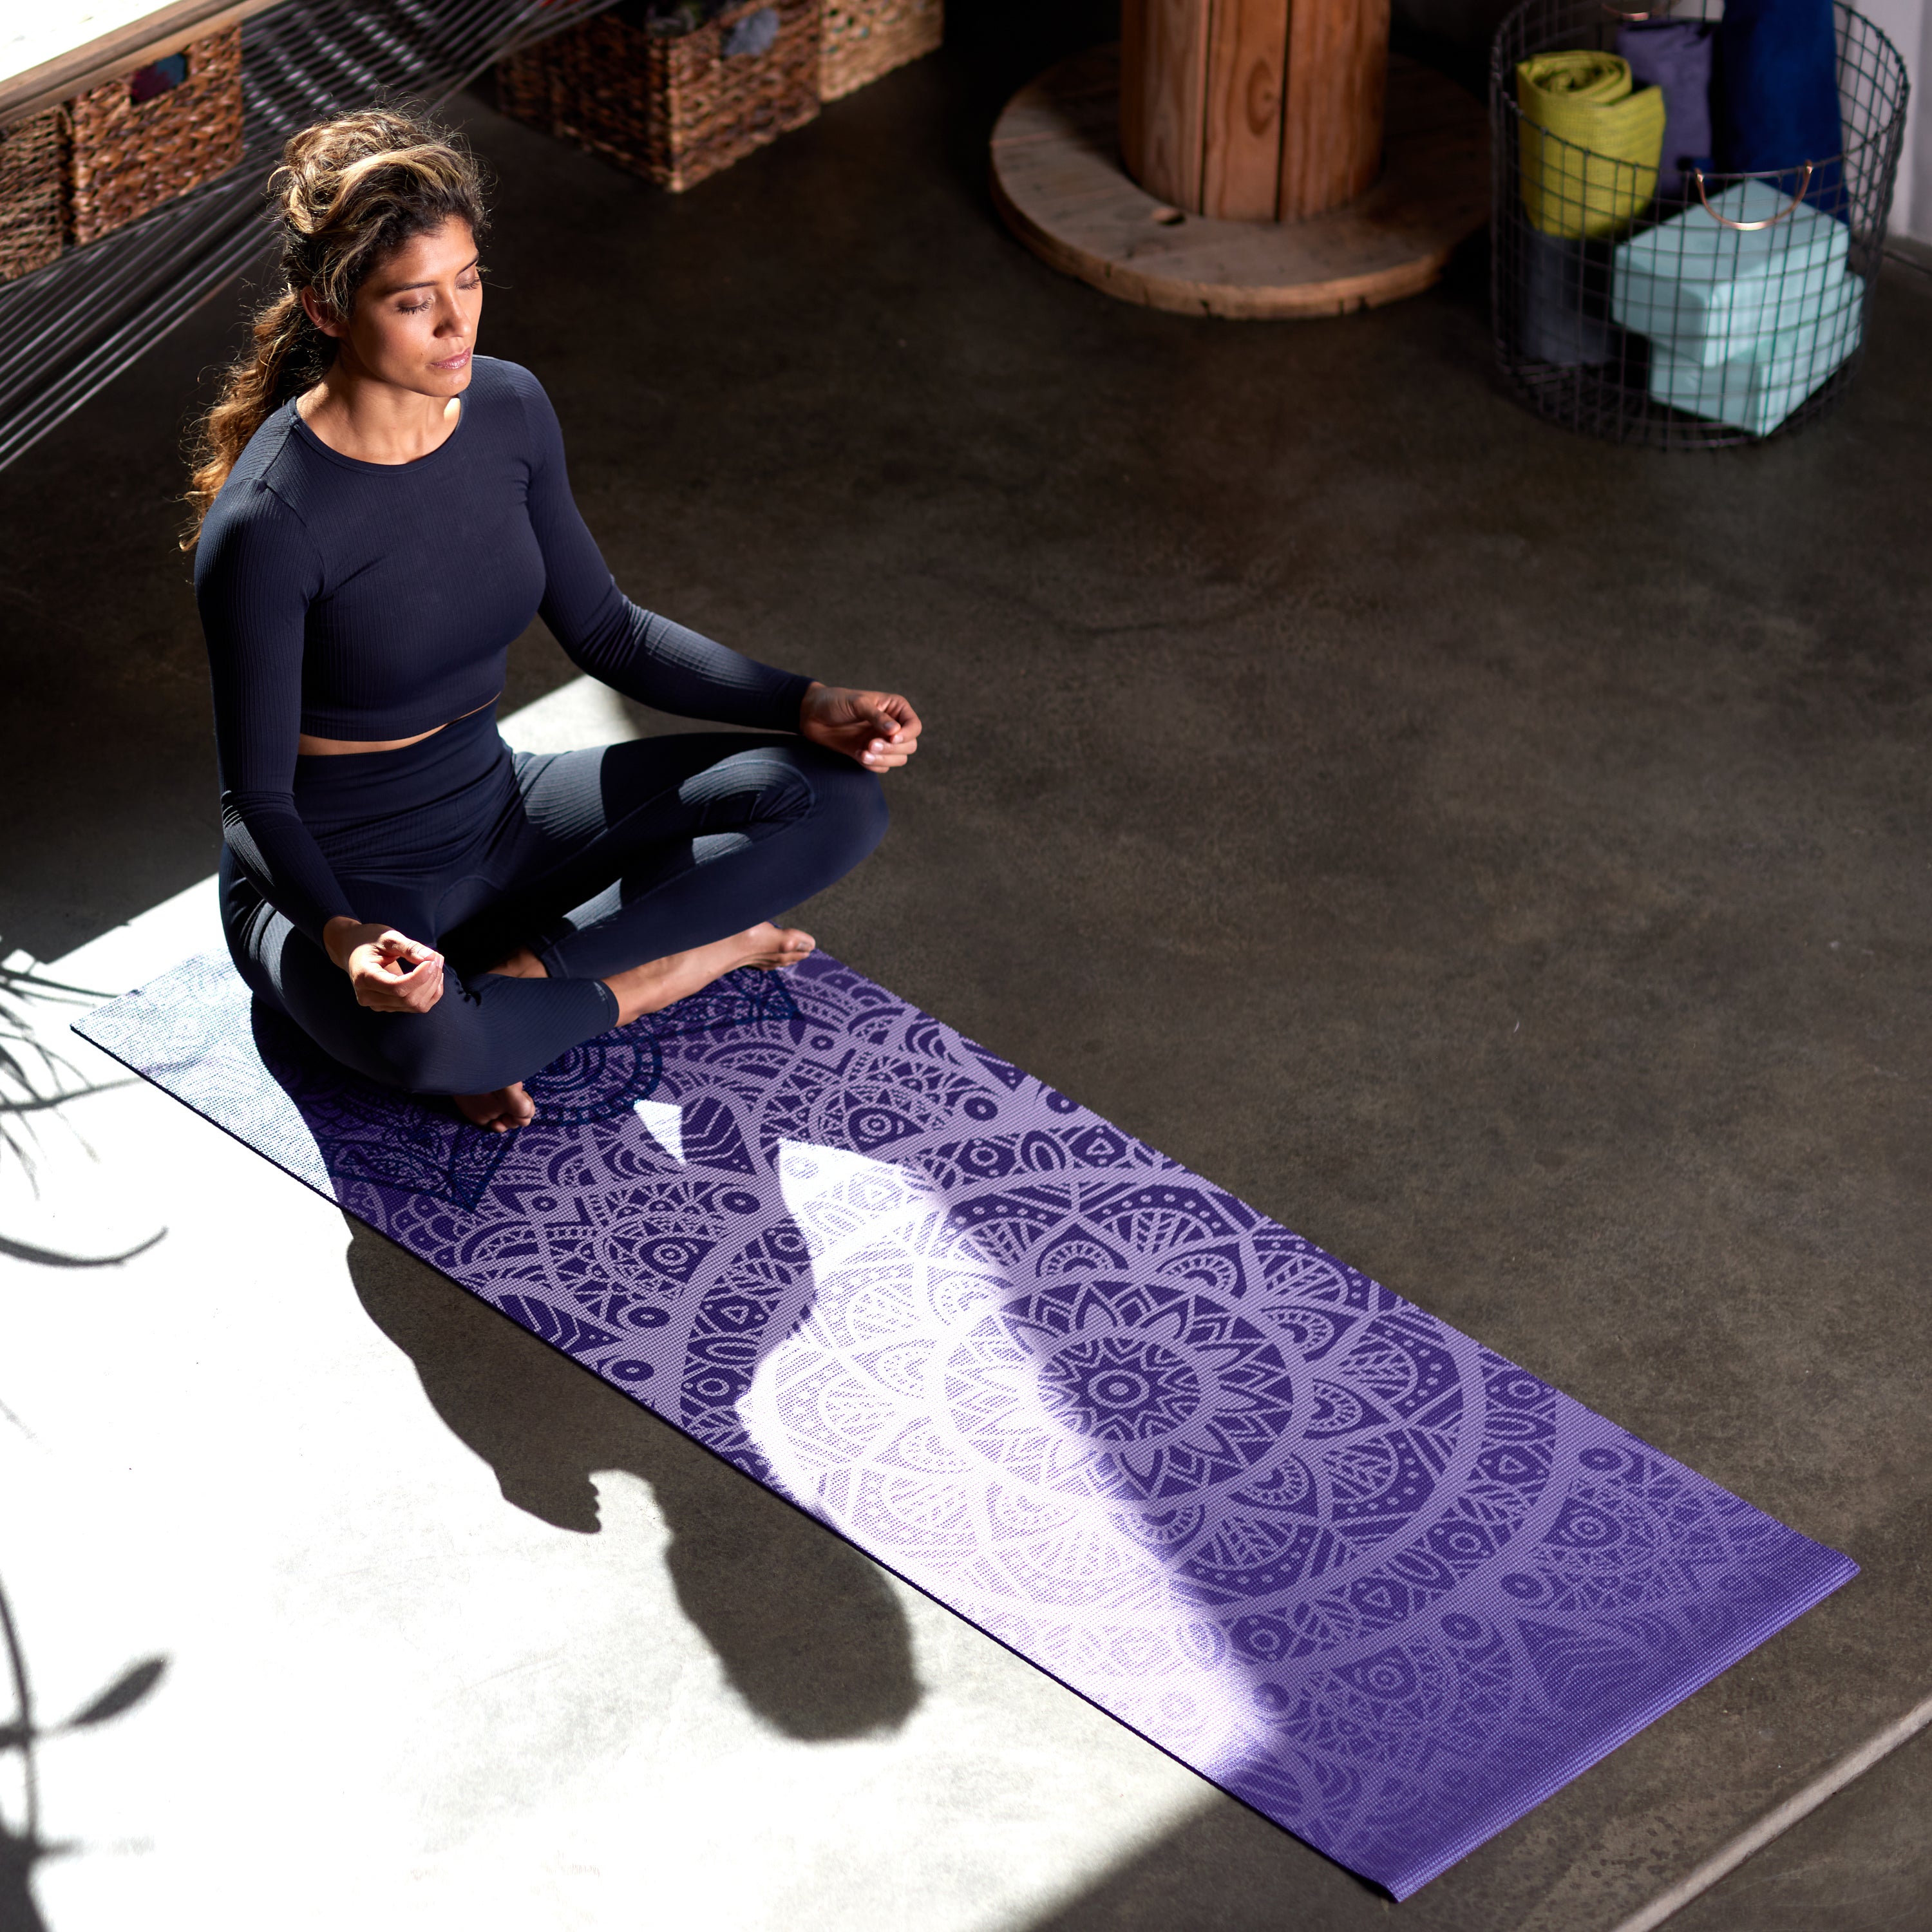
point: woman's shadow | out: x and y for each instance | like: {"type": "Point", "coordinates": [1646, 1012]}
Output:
{"type": "Point", "coordinates": [807, 1629]}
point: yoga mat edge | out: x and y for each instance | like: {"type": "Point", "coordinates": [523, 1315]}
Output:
{"type": "Point", "coordinates": [1834, 1571]}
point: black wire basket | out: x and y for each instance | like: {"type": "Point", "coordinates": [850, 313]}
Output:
{"type": "Point", "coordinates": [1672, 305]}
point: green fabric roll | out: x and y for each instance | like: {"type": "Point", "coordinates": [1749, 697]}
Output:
{"type": "Point", "coordinates": [1606, 173]}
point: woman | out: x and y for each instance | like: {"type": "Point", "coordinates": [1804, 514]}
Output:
{"type": "Point", "coordinates": [381, 513]}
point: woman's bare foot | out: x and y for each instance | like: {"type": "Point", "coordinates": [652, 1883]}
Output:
{"type": "Point", "coordinates": [658, 982]}
{"type": "Point", "coordinates": [522, 964]}
{"type": "Point", "coordinates": [506, 1107]}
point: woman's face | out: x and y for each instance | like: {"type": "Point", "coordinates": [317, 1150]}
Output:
{"type": "Point", "coordinates": [414, 322]}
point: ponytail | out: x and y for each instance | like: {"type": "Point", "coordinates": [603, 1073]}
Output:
{"type": "Point", "coordinates": [290, 354]}
{"type": "Point", "coordinates": [350, 193]}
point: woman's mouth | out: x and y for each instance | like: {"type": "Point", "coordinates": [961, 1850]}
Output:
{"type": "Point", "coordinates": [461, 360]}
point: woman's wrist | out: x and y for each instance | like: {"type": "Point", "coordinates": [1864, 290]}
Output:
{"type": "Point", "coordinates": [340, 936]}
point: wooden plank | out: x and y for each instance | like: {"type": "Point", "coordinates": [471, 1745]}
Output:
{"type": "Point", "coordinates": [156, 33]}
{"type": "Point", "coordinates": [1247, 50]}
{"type": "Point", "coordinates": [1068, 200]}
{"type": "Point", "coordinates": [1132, 124]}
{"type": "Point", "coordinates": [1165, 77]}
{"type": "Point", "coordinates": [1332, 111]}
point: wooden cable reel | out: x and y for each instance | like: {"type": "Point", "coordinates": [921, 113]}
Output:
{"type": "Point", "coordinates": [1253, 110]}
{"type": "Point", "coordinates": [1247, 158]}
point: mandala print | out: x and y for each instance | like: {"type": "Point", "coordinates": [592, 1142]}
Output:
{"type": "Point", "coordinates": [1378, 1582]}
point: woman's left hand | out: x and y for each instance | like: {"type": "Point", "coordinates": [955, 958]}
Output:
{"type": "Point", "coordinates": [879, 728]}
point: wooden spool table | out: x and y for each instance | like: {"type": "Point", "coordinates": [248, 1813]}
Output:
{"type": "Point", "coordinates": [1245, 158]}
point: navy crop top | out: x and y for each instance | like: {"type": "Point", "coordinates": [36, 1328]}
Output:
{"type": "Point", "coordinates": [367, 601]}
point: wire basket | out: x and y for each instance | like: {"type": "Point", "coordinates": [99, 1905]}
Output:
{"type": "Point", "coordinates": [1694, 313]}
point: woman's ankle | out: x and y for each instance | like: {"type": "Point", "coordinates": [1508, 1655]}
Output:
{"type": "Point", "coordinates": [522, 965]}
{"type": "Point", "coordinates": [647, 987]}
{"type": "Point", "coordinates": [658, 983]}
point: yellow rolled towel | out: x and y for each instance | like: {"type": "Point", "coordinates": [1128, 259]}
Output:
{"type": "Point", "coordinates": [1600, 169]}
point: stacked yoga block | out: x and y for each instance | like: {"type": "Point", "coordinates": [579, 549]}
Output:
{"type": "Point", "coordinates": [1743, 322]}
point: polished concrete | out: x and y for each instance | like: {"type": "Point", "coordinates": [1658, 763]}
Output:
{"type": "Point", "coordinates": [1860, 1860]}
{"type": "Point", "coordinates": [1500, 855]}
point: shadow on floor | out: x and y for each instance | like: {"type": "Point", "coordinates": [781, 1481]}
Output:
{"type": "Point", "coordinates": [19, 1911]}
{"type": "Point", "coordinates": [37, 1081]}
{"type": "Point", "coordinates": [1228, 1868]}
{"type": "Point", "coordinates": [22, 1846]}
{"type": "Point", "coordinates": [807, 1630]}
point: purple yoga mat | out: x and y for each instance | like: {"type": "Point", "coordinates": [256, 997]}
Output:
{"type": "Point", "coordinates": [1386, 1587]}
{"type": "Point", "coordinates": [1679, 56]}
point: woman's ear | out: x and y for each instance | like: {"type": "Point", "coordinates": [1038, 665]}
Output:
{"type": "Point", "coordinates": [312, 307]}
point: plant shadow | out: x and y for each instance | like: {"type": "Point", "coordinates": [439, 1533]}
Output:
{"type": "Point", "coordinates": [22, 1846]}
{"type": "Point", "coordinates": [36, 1080]}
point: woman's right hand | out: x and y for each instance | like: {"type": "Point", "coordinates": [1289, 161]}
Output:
{"type": "Point", "coordinates": [391, 972]}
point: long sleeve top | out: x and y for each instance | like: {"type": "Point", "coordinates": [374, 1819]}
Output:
{"type": "Point", "coordinates": [367, 601]}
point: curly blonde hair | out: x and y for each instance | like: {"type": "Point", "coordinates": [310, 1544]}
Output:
{"type": "Point", "coordinates": [351, 193]}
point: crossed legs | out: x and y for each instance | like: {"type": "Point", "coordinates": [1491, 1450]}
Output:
{"type": "Point", "coordinates": [612, 883]}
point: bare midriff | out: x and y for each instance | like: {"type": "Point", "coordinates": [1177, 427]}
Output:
{"type": "Point", "coordinates": [308, 747]}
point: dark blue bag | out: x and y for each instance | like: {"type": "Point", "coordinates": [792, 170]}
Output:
{"type": "Point", "coordinates": [1777, 99]}
{"type": "Point", "coordinates": [1564, 314]}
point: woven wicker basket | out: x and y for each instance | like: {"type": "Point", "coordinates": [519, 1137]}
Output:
{"type": "Point", "coordinates": [674, 110]}
{"type": "Point", "coordinates": [129, 158]}
{"type": "Point", "coordinates": [33, 193]}
{"type": "Point", "coordinates": [866, 38]}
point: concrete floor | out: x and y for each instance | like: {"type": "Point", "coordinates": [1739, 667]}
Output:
{"type": "Point", "coordinates": [1499, 856]}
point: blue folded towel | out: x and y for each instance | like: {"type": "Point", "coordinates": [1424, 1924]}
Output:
{"type": "Point", "coordinates": [1777, 101]}
{"type": "Point", "coordinates": [1676, 55]}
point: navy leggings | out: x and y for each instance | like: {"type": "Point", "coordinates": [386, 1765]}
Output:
{"type": "Point", "coordinates": [595, 860]}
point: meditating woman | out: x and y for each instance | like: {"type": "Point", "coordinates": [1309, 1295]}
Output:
{"type": "Point", "coordinates": [382, 512]}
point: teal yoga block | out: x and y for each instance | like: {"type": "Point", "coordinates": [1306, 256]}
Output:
{"type": "Point", "coordinates": [1709, 294]}
{"type": "Point", "coordinates": [1757, 390]}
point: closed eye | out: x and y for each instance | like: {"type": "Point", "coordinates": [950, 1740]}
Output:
{"type": "Point", "coordinates": [417, 307]}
